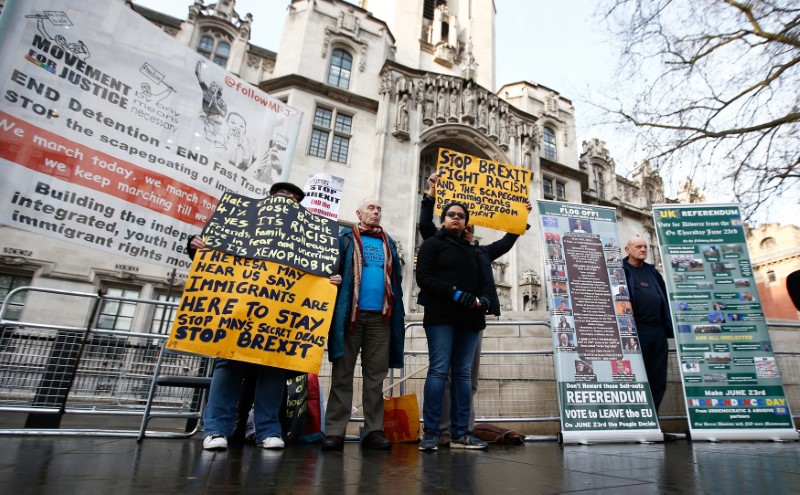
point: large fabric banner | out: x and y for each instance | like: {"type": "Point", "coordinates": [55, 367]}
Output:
{"type": "Point", "coordinates": [495, 193]}
{"type": "Point", "coordinates": [602, 383]}
{"type": "Point", "coordinates": [117, 137]}
{"type": "Point", "coordinates": [731, 380]}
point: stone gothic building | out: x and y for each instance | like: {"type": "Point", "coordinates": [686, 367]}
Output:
{"type": "Point", "coordinates": [382, 86]}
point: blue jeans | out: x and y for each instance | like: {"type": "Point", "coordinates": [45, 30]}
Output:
{"type": "Point", "coordinates": [226, 387]}
{"type": "Point", "coordinates": [449, 349]}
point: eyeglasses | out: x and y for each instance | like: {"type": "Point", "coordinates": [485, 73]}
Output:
{"type": "Point", "coordinates": [455, 214]}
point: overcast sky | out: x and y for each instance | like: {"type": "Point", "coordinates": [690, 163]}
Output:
{"type": "Point", "coordinates": [558, 44]}
{"type": "Point", "coordinates": [550, 43]}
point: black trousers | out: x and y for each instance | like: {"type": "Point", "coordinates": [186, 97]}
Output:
{"type": "Point", "coordinates": [655, 353]}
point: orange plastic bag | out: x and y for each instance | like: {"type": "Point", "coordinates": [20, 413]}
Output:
{"type": "Point", "coordinates": [401, 418]}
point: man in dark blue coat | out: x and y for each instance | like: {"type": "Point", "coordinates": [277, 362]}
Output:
{"type": "Point", "coordinates": [367, 319]}
{"type": "Point", "coordinates": [648, 294]}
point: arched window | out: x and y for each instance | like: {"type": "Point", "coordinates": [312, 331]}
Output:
{"type": "Point", "coordinates": [341, 65]}
{"type": "Point", "coordinates": [216, 51]}
{"type": "Point", "coordinates": [768, 243]}
{"type": "Point", "coordinates": [549, 143]}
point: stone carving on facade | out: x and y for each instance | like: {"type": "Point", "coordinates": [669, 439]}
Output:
{"type": "Point", "coordinates": [551, 104]}
{"type": "Point", "coordinates": [536, 136]}
{"type": "Point", "coordinates": [194, 11]}
{"type": "Point", "coordinates": [401, 124]}
{"type": "Point", "coordinates": [504, 295]}
{"type": "Point", "coordinates": [504, 132]}
{"type": "Point", "coordinates": [430, 103]}
{"type": "Point", "coordinates": [245, 26]}
{"type": "Point", "coordinates": [442, 99]}
{"type": "Point", "coordinates": [421, 95]}
{"type": "Point", "coordinates": [362, 60]}
{"type": "Point", "coordinates": [347, 27]}
{"type": "Point", "coordinates": [400, 252]}
{"type": "Point", "coordinates": [595, 149]}
{"type": "Point", "coordinates": [385, 85]}
{"type": "Point", "coordinates": [526, 151]}
{"type": "Point", "coordinates": [493, 123]}
{"type": "Point", "coordinates": [530, 276]}
{"type": "Point", "coordinates": [454, 113]}
{"type": "Point", "coordinates": [469, 68]}
{"type": "Point", "coordinates": [688, 193]}
{"type": "Point", "coordinates": [530, 283]}
{"type": "Point", "coordinates": [469, 104]}
{"type": "Point", "coordinates": [12, 260]}
{"type": "Point", "coordinates": [348, 22]}
{"type": "Point", "coordinates": [441, 104]}
{"type": "Point", "coordinates": [483, 115]}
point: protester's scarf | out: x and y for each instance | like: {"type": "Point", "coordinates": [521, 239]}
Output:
{"type": "Point", "coordinates": [358, 263]}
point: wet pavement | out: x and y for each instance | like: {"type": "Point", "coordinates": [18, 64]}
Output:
{"type": "Point", "coordinates": [89, 465]}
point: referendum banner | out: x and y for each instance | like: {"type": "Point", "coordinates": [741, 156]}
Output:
{"type": "Point", "coordinates": [602, 383]}
{"type": "Point", "coordinates": [496, 193]}
{"type": "Point", "coordinates": [275, 228]}
{"type": "Point", "coordinates": [255, 311]}
{"type": "Point", "coordinates": [731, 380]}
{"type": "Point", "coordinates": [117, 137]}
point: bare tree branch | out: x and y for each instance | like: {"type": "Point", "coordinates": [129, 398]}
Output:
{"type": "Point", "coordinates": [713, 87]}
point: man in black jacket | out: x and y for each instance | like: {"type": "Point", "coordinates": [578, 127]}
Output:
{"type": "Point", "coordinates": [648, 294]}
{"type": "Point", "coordinates": [486, 255]}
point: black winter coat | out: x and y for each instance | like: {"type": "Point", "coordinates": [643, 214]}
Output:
{"type": "Point", "coordinates": [446, 264]}
{"type": "Point", "coordinates": [486, 254]}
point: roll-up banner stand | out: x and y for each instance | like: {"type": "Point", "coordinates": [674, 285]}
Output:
{"type": "Point", "coordinates": [602, 383]}
{"type": "Point", "coordinates": [731, 381]}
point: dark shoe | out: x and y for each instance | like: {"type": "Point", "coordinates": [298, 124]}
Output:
{"type": "Point", "coordinates": [444, 439]}
{"type": "Point", "coordinates": [333, 443]}
{"type": "Point", "coordinates": [375, 440]}
{"type": "Point", "coordinates": [468, 441]}
{"type": "Point", "coordinates": [429, 442]}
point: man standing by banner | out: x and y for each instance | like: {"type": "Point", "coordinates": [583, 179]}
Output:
{"type": "Point", "coordinates": [219, 419]}
{"type": "Point", "coordinates": [368, 318]}
{"type": "Point", "coordinates": [648, 294]}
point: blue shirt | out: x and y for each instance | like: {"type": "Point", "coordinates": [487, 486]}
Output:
{"type": "Point", "coordinates": [370, 298]}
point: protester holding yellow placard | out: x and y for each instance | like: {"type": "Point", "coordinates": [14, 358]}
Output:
{"type": "Point", "coordinates": [456, 297]}
{"type": "Point", "coordinates": [486, 255]}
{"type": "Point", "coordinates": [226, 385]}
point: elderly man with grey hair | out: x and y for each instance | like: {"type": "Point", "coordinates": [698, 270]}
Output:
{"type": "Point", "coordinates": [648, 295]}
{"type": "Point", "coordinates": [367, 318]}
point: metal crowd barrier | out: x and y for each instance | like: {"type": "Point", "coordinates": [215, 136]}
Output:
{"type": "Point", "coordinates": [52, 371]}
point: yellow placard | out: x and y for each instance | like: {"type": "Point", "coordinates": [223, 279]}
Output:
{"type": "Point", "coordinates": [255, 311]}
{"type": "Point", "coordinates": [496, 193]}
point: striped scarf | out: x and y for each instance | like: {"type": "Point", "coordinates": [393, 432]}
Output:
{"type": "Point", "coordinates": [358, 264]}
